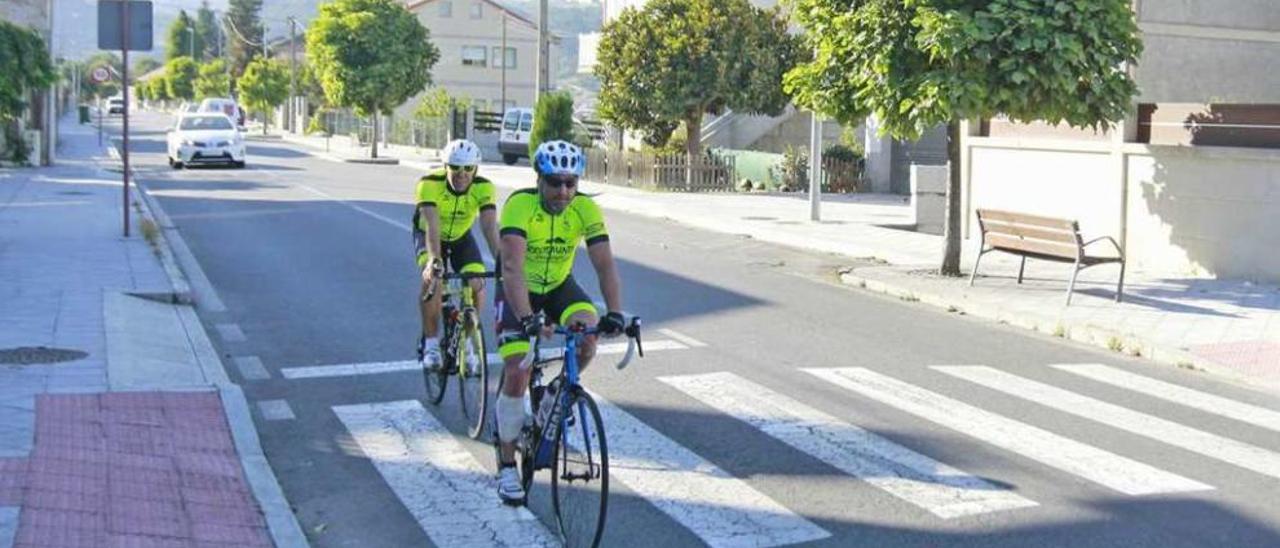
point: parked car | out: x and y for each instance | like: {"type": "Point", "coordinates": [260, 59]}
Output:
{"type": "Point", "coordinates": [225, 106]}
{"type": "Point", "coordinates": [115, 105]}
{"type": "Point", "coordinates": [513, 142]}
{"type": "Point", "coordinates": [205, 138]}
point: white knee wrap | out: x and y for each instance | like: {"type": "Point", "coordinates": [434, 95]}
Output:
{"type": "Point", "coordinates": [510, 412]}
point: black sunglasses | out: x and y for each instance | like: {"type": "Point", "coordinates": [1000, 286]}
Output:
{"type": "Point", "coordinates": [557, 182]}
{"type": "Point", "coordinates": [464, 169]}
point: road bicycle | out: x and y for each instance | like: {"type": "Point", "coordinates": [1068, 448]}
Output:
{"type": "Point", "coordinates": [567, 436]}
{"type": "Point", "coordinates": [462, 351]}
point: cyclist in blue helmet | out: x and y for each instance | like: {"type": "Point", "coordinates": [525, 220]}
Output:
{"type": "Point", "coordinates": [541, 230]}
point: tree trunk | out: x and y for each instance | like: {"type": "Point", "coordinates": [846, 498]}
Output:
{"type": "Point", "coordinates": [951, 229]}
{"type": "Point", "coordinates": [266, 121]}
{"type": "Point", "coordinates": [374, 150]}
{"type": "Point", "coordinates": [693, 145]}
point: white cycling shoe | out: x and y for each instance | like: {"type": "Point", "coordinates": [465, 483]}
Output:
{"type": "Point", "coordinates": [509, 488]}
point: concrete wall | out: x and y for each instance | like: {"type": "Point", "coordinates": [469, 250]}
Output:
{"type": "Point", "coordinates": [1179, 211]}
{"type": "Point", "coordinates": [1201, 51]}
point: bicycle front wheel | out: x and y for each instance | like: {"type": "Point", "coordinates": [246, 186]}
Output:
{"type": "Point", "coordinates": [580, 473]}
{"type": "Point", "coordinates": [435, 381]}
{"type": "Point", "coordinates": [473, 379]}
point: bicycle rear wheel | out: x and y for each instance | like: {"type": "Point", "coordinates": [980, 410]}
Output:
{"type": "Point", "coordinates": [580, 473]}
{"type": "Point", "coordinates": [473, 378]}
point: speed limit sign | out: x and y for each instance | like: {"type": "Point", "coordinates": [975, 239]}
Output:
{"type": "Point", "coordinates": [100, 75]}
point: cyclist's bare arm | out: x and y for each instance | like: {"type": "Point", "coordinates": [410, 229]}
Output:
{"type": "Point", "coordinates": [489, 226]}
{"type": "Point", "coordinates": [513, 282]}
{"type": "Point", "coordinates": [428, 212]}
{"type": "Point", "coordinates": [607, 271]}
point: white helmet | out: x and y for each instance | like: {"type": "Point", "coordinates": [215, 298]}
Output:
{"type": "Point", "coordinates": [461, 152]}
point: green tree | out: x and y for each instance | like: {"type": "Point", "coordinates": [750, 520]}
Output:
{"type": "Point", "coordinates": [26, 66]}
{"type": "Point", "coordinates": [244, 33]}
{"type": "Point", "coordinates": [370, 55]}
{"type": "Point", "coordinates": [552, 120]}
{"type": "Point", "coordinates": [183, 40]}
{"type": "Point", "coordinates": [675, 60]}
{"type": "Point", "coordinates": [213, 80]}
{"type": "Point", "coordinates": [159, 88]}
{"type": "Point", "coordinates": [916, 64]}
{"type": "Point", "coordinates": [143, 90]}
{"type": "Point", "coordinates": [208, 31]}
{"type": "Point", "coordinates": [264, 86]}
{"type": "Point", "coordinates": [180, 78]}
{"type": "Point", "coordinates": [145, 65]}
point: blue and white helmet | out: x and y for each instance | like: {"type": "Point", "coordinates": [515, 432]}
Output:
{"type": "Point", "coordinates": [559, 158]}
{"type": "Point", "coordinates": [461, 152]}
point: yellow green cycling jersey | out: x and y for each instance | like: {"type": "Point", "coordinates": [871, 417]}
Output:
{"type": "Point", "coordinates": [551, 241]}
{"type": "Point", "coordinates": [457, 211]}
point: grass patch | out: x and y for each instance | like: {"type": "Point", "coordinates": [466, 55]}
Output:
{"type": "Point", "coordinates": [910, 297]}
{"type": "Point", "coordinates": [1060, 331]}
{"type": "Point", "coordinates": [151, 233]}
{"type": "Point", "coordinates": [1114, 344]}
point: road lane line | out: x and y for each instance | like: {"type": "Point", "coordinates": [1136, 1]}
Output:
{"type": "Point", "coordinates": [1104, 468]}
{"type": "Point", "coordinates": [940, 489]}
{"type": "Point", "coordinates": [685, 339]}
{"type": "Point", "coordinates": [443, 486]}
{"type": "Point", "coordinates": [276, 410]}
{"type": "Point", "coordinates": [720, 509]}
{"type": "Point", "coordinates": [1195, 399]}
{"type": "Point", "coordinates": [1213, 446]}
{"type": "Point", "coordinates": [251, 368]}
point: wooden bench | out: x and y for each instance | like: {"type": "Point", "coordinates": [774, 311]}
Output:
{"type": "Point", "coordinates": [1046, 238]}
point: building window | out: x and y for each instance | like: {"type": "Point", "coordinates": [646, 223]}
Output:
{"type": "Point", "coordinates": [446, 8]}
{"type": "Point", "coordinates": [477, 10]}
{"type": "Point", "coordinates": [499, 62]}
{"type": "Point", "coordinates": [475, 56]}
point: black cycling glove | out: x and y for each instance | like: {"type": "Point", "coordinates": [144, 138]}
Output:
{"type": "Point", "coordinates": [611, 324]}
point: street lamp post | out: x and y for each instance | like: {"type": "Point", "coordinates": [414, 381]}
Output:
{"type": "Point", "coordinates": [191, 42]}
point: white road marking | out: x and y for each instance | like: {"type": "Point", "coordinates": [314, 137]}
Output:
{"type": "Point", "coordinates": [373, 368]}
{"type": "Point", "coordinates": [936, 487]}
{"type": "Point", "coordinates": [687, 340]}
{"type": "Point", "coordinates": [1209, 403]}
{"type": "Point", "coordinates": [1107, 469]}
{"type": "Point", "coordinates": [230, 332]}
{"type": "Point", "coordinates": [276, 410]}
{"type": "Point", "coordinates": [1213, 446]}
{"type": "Point", "coordinates": [717, 507]}
{"type": "Point", "coordinates": [251, 368]}
{"type": "Point", "coordinates": [402, 224]}
{"type": "Point", "coordinates": [443, 486]}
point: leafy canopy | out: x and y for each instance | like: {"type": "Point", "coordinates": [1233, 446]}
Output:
{"type": "Point", "coordinates": [26, 66]}
{"type": "Point", "coordinates": [180, 77]}
{"type": "Point", "coordinates": [265, 85]}
{"type": "Point", "coordinates": [370, 55]}
{"type": "Point", "coordinates": [213, 80]}
{"type": "Point", "coordinates": [673, 60]}
{"type": "Point", "coordinates": [919, 63]}
{"type": "Point", "coordinates": [552, 120]}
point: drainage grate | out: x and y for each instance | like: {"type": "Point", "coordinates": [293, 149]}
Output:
{"type": "Point", "coordinates": [29, 355]}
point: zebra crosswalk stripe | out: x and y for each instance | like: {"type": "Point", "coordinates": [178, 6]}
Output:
{"type": "Point", "coordinates": [1195, 399]}
{"type": "Point", "coordinates": [443, 486]}
{"type": "Point", "coordinates": [1104, 468]}
{"type": "Point", "coordinates": [936, 487]}
{"type": "Point", "coordinates": [1210, 445]}
{"type": "Point", "coordinates": [720, 509]}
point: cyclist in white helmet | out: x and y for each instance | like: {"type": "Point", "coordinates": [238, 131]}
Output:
{"type": "Point", "coordinates": [448, 203]}
{"type": "Point", "coordinates": [541, 230]}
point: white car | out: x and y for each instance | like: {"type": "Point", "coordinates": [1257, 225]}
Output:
{"type": "Point", "coordinates": [205, 138]}
{"type": "Point", "coordinates": [513, 142]}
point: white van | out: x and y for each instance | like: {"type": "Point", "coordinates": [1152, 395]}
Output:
{"type": "Point", "coordinates": [225, 106]}
{"type": "Point", "coordinates": [513, 142]}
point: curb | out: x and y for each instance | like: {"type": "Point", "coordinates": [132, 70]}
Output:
{"type": "Point", "coordinates": [281, 521]}
{"type": "Point", "coordinates": [1134, 346]}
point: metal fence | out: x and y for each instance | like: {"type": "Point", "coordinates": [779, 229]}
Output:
{"type": "Point", "coordinates": [416, 132]}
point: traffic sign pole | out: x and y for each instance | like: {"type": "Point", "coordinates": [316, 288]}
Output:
{"type": "Point", "coordinates": [124, 85]}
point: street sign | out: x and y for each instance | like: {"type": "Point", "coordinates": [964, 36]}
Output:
{"type": "Point", "coordinates": [111, 31]}
{"type": "Point", "coordinates": [100, 75]}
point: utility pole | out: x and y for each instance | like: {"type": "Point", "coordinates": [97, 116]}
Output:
{"type": "Point", "coordinates": [124, 86]}
{"type": "Point", "coordinates": [292, 106]}
{"type": "Point", "coordinates": [815, 169]}
{"type": "Point", "coordinates": [544, 52]}
{"type": "Point", "coordinates": [504, 63]}
{"type": "Point", "coordinates": [191, 42]}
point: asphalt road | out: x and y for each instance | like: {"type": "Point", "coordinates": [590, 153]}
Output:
{"type": "Point", "coordinates": [811, 413]}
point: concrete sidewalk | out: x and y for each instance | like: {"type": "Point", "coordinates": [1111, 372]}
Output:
{"type": "Point", "coordinates": [118, 425]}
{"type": "Point", "coordinates": [1228, 327]}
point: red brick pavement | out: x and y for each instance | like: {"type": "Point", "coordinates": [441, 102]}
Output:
{"type": "Point", "coordinates": [132, 469]}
